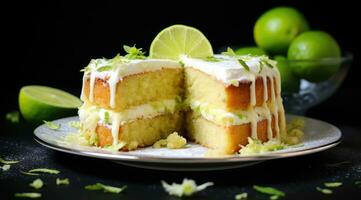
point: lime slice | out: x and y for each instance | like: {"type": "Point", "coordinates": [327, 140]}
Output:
{"type": "Point", "coordinates": [38, 103]}
{"type": "Point", "coordinates": [178, 40]}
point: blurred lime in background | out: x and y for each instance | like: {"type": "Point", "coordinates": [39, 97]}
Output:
{"type": "Point", "coordinates": [310, 48]}
{"type": "Point", "coordinates": [251, 50]}
{"type": "Point", "coordinates": [276, 28]}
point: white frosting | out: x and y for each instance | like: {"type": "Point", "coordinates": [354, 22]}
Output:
{"type": "Point", "coordinates": [229, 70]}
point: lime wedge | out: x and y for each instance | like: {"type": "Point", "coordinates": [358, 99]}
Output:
{"type": "Point", "coordinates": [38, 103]}
{"type": "Point", "coordinates": [178, 40]}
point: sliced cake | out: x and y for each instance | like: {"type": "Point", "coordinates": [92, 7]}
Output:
{"type": "Point", "coordinates": [232, 98]}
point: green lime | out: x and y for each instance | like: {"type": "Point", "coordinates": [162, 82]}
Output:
{"type": "Point", "coordinates": [253, 51]}
{"type": "Point", "coordinates": [178, 40]}
{"type": "Point", "coordinates": [289, 82]}
{"type": "Point", "coordinates": [276, 28]}
{"type": "Point", "coordinates": [309, 49]}
{"type": "Point", "coordinates": [38, 103]}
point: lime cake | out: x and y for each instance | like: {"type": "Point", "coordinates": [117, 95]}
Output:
{"type": "Point", "coordinates": [218, 101]}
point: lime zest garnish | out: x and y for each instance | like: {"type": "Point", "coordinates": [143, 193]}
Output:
{"type": "Point", "coordinates": [267, 63]}
{"type": "Point", "coordinates": [64, 181]}
{"type": "Point", "coordinates": [212, 59]}
{"type": "Point", "coordinates": [31, 195]}
{"type": "Point", "coordinates": [240, 116]}
{"type": "Point", "coordinates": [37, 183]}
{"type": "Point", "coordinates": [75, 124]}
{"type": "Point", "coordinates": [28, 173]}
{"type": "Point", "coordinates": [333, 184]}
{"type": "Point", "coordinates": [45, 170]}
{"type": "Point", "coordinates": [338, 164]}
{"type": "Point", "coordinates": [7, 162]}
{"type": "Point", "coordinates": [187, 188]}
{"type": "Point", "coordinates": [241, 196]}
{"type": "Point", "coordinates": [106, 117]}
{"type": "Point", "coordinates": [244, 65]}
{"type": "Point", "coordinates": [51, 125]}
{"type": "Point", "coordinates": [133, 52]}
{"type": "Point", "coordinates": [324, 190]}
{"type": "Point", "coordinates": [105, 188]}
{"type": "Point", "coordinates": [13, 116]}
{"type": "Point", "coordinates": [229, 52]}
{"type": "Point", "coordinates": [104, 68]}
{"type": "Point", "coordinates": [5, 167]}
{"type": "Point", "coordinates": [269, 190]}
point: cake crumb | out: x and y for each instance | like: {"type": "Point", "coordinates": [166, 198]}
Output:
{"type": "Point", "coordinates": [173, 141]}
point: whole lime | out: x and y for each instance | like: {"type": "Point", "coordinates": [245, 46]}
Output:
{"type": "Point", "coordinates": [276, 28]}
{"type": "Point", "coordinates": [289, 82]}
{"type": "Point", "coordinates": [252, 50]}
{"type": "Point", "coordinates": [316, 55]}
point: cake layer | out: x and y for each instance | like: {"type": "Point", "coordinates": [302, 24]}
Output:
{"type": "Point", "coordinates": [227, 139]}
{"type": "Point", "coordinates": [205, 88]}
{"type": "Point", "coordinates": [134, 90]}
{"type": "Point", "coordinates": [141, 132]}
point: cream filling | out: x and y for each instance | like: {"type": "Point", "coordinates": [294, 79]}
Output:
{"type": "Point", "coordinates": [224, 118]}
{"type": "Point", "coordinates": [90, 116]}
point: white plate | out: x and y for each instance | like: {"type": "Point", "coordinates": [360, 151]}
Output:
{"type": "Point", "coordinates": [319, 136]}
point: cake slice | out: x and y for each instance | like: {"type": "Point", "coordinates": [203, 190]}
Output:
{"type": "Point", "coordinates": [134, 102]}
{"type": "Point", "coordinates": [232, 98]}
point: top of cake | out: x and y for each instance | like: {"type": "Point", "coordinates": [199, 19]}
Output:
{"type": "Point", "coordinates": [122, 66]}
{"type": "Point", "coordinates": [233, 69]}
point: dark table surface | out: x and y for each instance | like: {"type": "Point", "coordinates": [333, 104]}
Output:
{"type": "Point", "coordinates": [297, 177]}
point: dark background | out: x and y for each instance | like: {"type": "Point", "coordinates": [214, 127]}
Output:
{"type": "Point", "coordinates": [47, 43]}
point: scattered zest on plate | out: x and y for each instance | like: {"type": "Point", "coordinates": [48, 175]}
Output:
{"type": "Point", "coordinates": [37, 183]}
{"type": "Point", "coordinates": [333, 184]}
{"type": "Point", "coordinates": [13, 117]}
{"type": "Point", "coordinates": [187, 188]}
{"type": "Point", "coordinates": [7, 162]}
{"type": "Point", "coordinates": [324, 190]}
{"type": "Point", "coordinates": [241, 196]}
{"type": "Point", "coordinates": [75, 124]}
{"type": "Point", "coordinates": [52, 125]}
{"type": "Point", "coordinates": [105, 188]}
{"type": "Point", "coordinates": [31, 195]}
{"type": "Point", "coordinates": [5, 167]}
{"type": "Point", "coordinates": [272, 192]}
{"type": "Point", "coordinates": [64, 181]}
{"type": "Point", "coordinates": [44, 170]}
